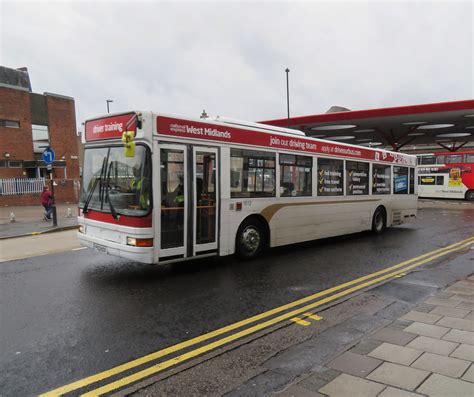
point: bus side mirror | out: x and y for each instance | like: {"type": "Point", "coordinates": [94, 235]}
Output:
{"type": "Point", "coordinates": [128, 138]}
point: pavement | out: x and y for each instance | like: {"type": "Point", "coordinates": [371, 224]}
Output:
{"type": "Point", "coordinates": [29, 220]}
{"type": "Point", "coordinates": [428, 351]}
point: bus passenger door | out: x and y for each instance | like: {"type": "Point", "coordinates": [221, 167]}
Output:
{"type": "Point", "coordinates": [173, 201]}
{"type": "Point", "coordinates": [205, 200]}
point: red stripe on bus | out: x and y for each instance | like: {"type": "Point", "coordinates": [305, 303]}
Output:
{"type": "Point", "coordinates": [223, 133]}
{"type": "Point", "coordinates": [132, 221]}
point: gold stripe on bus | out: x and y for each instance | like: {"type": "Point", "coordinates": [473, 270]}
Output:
{"type": "Point", "coordinates": [271, 210]}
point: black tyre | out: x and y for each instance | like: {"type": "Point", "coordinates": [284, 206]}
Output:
{"type": "Point", "coordinates": [470, 195]}
{"type": "Point", "coordinates": [251, 239]}
{"type": "Point", "coordinates": [379, 221]}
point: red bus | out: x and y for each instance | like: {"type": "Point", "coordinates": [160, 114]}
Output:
{"type": "Point", "coordinates": [446, 175]}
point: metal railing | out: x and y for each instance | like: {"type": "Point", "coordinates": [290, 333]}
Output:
{"type": "Point", "coordinates": [20, 186]}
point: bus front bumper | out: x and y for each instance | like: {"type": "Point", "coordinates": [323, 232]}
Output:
{"type": "Point", "coordinates": [137, 254]}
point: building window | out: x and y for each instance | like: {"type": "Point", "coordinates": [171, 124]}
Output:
{"type": "Point", "coordinates": [40, 137]}
{"type": "Point", "coordinates": [295, 175]}
{"type": "Point", "coordinates": [330, 177]}
{"type": "Point", "coordinates": [15, 164]}
{"type": "Point", "coordinates": [357, 178]}
{"type": "Point", "coordinates": [9, 123]}
{"type": "Point", "coordinates": [400, 180]}
{"type": "Point", "coordinates": [252, 173]}
{"type": "Point", "coordinates": [380, 179]}
{"type": "Point", "coordinates": [3, 163]}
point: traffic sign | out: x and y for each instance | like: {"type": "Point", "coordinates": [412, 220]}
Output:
{"type": "Point", "coordinates": [48, 155]}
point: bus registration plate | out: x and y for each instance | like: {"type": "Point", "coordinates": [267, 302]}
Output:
{"type": "Point", "coordinates": [100, 248]}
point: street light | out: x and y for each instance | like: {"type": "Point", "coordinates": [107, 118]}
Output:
{"type": "Point", "coordinates": [108, 101]}
{"type": "Point", "coordinates": [288, 94]}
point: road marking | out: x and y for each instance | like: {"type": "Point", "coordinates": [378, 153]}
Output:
{"type": "Point", "coordinates": [313, 316]}
{"type": "Point", "coordinates": [175, 348]}
{"type": "Point", "coordinates": [400, 275]}
{"type": "Point", "coordinates": [221, 342]}
{"type": "Point", "coordinates": [80, 248]}
{"type": "Point", "coordinates": [300, 321]}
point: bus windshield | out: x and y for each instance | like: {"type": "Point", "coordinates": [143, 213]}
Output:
{"type": "Point", "coordinates": [116, 184]}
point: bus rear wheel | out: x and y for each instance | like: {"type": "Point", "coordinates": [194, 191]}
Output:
{"type": "Point", "coordinates": [250, 240]}
{"type": "Point", "coordinates": [379, 221]}
{"type": "Point", "coordinates": [470, 195]}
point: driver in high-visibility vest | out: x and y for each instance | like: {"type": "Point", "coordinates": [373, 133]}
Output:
{"type": "Point", "coordinates": [140, 186]}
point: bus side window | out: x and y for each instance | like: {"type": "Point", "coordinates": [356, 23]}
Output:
{"type": "Point", "coordinates": [469, 158]}
{"type": "Point", "coordinates": [440, 159]}
{"type": "Point", "coordinates": [440, 179]}
{"type": "Point", "coordinates": [454, 159]}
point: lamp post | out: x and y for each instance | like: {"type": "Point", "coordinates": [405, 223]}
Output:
{"type": "Point", "coordinates": [288, 94]}
{"type": "Point", "coordinates": [108, 101]}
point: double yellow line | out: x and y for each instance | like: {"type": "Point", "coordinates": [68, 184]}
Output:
{"type": "Point", "coordinates": [355, 285]}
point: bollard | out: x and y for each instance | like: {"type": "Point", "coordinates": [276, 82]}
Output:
{"type": "Point", "coordinates": [69, 213]}
{"type": "Point", "coordinates": [55, 216]}
{"type": "Point", "coordinates": [12, 217]}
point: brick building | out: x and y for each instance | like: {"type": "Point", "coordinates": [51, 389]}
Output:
{"type": "Point", "coordinates": [30, 122]}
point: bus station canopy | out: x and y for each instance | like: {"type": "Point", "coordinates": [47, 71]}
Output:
{"type": "Point", "coordinates": [447, 124]}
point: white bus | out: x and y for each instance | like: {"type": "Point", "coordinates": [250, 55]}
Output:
{"type": "Point", "coordinates": [446, 175]}
{"type": "Point", "coordinates": [188, 188]}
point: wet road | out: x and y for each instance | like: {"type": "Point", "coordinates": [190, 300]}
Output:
{"type": "Point", "coordinates": [66, 316]}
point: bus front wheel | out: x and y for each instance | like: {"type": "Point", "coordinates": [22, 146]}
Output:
{"type": "Point", "coordinates": [379, 221]}
{"type": "Point", "coordinates": [250, 239]}
{"type": "Point", "coordinates": [470, 195]}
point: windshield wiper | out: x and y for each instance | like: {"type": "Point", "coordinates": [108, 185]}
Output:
{"type": "Point", "coordinates": [107, 196]}
{"type": "Point", "coordinates": [91, 192]}
{"type": "Point", "coordinates": [89, 197]}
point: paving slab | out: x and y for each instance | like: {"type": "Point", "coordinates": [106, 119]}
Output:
{"type": "Point", "coordinates": [465, 305]}
{"type": "Point", "coordinates": [465, 352]}
{"type": "Point", "coordinates": [395, 353]}
{"type": "Point", "coordinates": [470, 316]}
{"type": "Point", "coordinates": [366, 346]}
{"type": "Point", "coordinates": [428, 318]}
{"type": "Point", "coordinates": [407, 378]}
{"type": "Point", "coordinates": [392, 392]}
{"type": "Point", "coordinates": [450, 302]}
{"type": "Point", "coordinates": [298, 391]}
{"type": "Point", "coordinates": [464, 297]}
{"type": "Point", "coordinates": [456, 335]}
{"type": "Point", "coordinates": [442, 386]}
{"type": "Point", "coordinates": [424, 307]}
{"type": "Point", "coordinates": [460, 289]}
{"type": "Point", "coordinates": [443, 365]}
{"type": "Point", "coordinates": [393, 336]}
{"type": "Point", "coordinates": [458, 323]}
{"type": "Point", "coordinates": [347, 385]}
{"type": "Point", "coordinates": [354, 364]}
{"type": "Point", "coordinates": [433, 331]}
{"type": "Point", "coordinates": [433, 345]}
{"type": "Point", "coordinates": [469, 374]}
{"type": "Point", "coordinates": [450, 311]}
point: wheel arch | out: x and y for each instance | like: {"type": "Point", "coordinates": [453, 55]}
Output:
{"type": "Point", "coordinates": [262, 221]}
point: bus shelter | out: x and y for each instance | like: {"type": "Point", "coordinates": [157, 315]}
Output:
{"type": "Point", "coordinates": [449, 125]}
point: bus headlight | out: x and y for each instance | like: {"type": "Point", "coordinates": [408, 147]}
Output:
{"type": "Point", "coordinates": [140, 242]}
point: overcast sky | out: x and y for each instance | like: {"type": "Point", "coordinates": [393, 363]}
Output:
{"type": "Point", "coordinates": [230, 57]}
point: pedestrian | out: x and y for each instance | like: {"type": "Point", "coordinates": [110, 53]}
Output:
{"type": "Point", "coordinates": [47, 203]}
